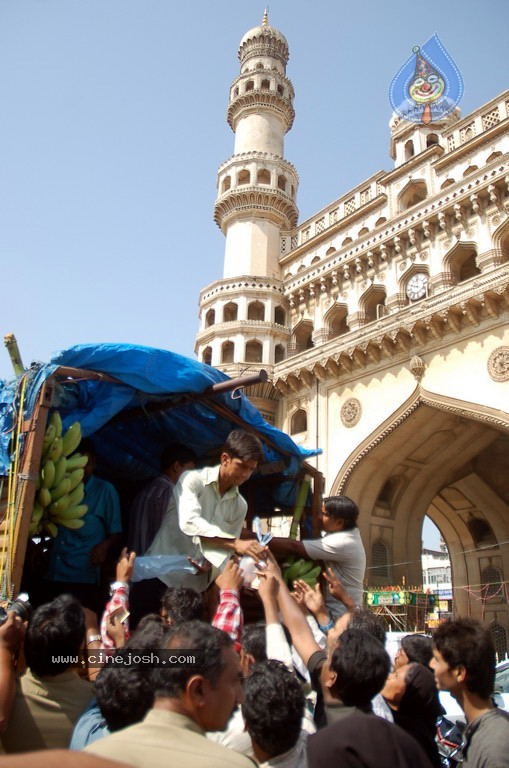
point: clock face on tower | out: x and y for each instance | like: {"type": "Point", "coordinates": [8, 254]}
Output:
{"type": "Point", "coordinates": [417, 286]}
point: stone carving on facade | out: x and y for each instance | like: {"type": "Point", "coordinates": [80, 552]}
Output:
{"type": "Point", "coordinates": [417, 366]}
{"type": "Point", "coordinates": [498, 364]}
{"type": "Point", "coordinates": [351, 412]}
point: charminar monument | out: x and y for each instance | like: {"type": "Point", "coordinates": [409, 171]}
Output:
{"type": "Point", "coordinates": [382, 321]}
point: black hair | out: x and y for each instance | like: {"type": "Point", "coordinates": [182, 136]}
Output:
{"type": "Point", "coordinates": [176, 452]}
{"type": "Point", "coordinates": [466, 643]}
{"type": "Point", "coordinates": [342, 508]}
{"type": "Point", "coordinates": [125, 693]}
{"type": "Point", "coordinates": [156, 618]}
{"type": "Point", "coordinates": [361, 664]}
{"type": "Point", "coordinates": [273, 707]}
{"type": "Point", "coordinates": [369, 622]}
{"type": "Point", "coordinates": [209, 643]}
{"type": "Point", "coordinates": [243, 445]}
{"type": "Point", "coordinates": [56, 630]}
{"type": "Point", "coordinates": [182, 604]}
{"type": "Point", "coordinates": [254, 641]}
{"type": "Point", "coordinates": [418, 648]}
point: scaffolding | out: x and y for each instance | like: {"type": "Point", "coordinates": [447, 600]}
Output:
{"type": "Point", "coordinates": [403, 610]}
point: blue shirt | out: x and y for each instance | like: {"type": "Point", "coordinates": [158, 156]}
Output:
{"type": "Point", "coordinates": [90, 727]}
{"type": "Point", "coordinates": [70, 554]}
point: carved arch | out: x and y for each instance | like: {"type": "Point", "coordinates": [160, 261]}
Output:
{"type": "Point", "coordinates": [420, 397]}
{"type": "Point", "coordinates": [336, 321]}
{"type": "Point", "coordinates": [372, 303]}
{"type": "Point", "coordinates": [412, 193]}
{"type": "Point", "coordinates": [461, 262]}
{"type": "Point", "coordinates": [501, 240]}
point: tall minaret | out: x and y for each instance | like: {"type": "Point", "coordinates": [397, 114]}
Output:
{"type": "Point", "coordinates": [244, 317]}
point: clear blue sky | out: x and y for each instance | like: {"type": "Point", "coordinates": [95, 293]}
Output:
{"type": "Point", "coordinates": [113, 125]}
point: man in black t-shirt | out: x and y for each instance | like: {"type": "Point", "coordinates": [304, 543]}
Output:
{"type": "Point", "coordinates": [361, 665]}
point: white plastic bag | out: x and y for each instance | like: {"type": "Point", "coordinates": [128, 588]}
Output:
{"type": "Point", "coordinates": [154, 566]}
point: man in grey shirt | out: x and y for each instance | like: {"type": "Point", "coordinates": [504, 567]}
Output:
{"type": "Point", "coordinates": [341, 549]}
{"type": "Point", "coordinates": [464, 664]}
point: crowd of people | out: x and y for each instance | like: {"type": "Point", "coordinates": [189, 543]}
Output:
{"type": "Point", "coordinates": [167, 670]}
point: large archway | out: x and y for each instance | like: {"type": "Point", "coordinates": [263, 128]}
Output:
{"type": "Point", "coordinates": [449, 460]}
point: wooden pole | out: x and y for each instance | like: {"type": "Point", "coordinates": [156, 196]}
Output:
{"type": "Point", "coordinates": [33, 436]}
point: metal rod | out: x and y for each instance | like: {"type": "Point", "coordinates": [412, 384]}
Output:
{"type": "Point", "coordinates": [241, 381]}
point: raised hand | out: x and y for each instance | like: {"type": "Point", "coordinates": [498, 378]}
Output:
{"type": "Point", "coordinates": [125, 566]}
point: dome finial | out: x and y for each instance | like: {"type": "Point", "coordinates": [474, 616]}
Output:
{"type": "Point", "coordinates": [265, 20]}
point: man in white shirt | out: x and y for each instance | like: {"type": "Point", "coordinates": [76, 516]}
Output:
{"type": "Point", "coordinates": [207, 512]}
{"type": "Point", "coordinates": [340, 548]}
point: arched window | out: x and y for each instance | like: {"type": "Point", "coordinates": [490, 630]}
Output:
{"type": "Point", "coordinates": [227, 182]}
{"type": "Point", "coordinates": [207, 356]}
{"type": "Point", "coordinates": [279, 353]}
{"type": "Point", "coordinates": [499, 637]}
{"type": "Point", "coordinates": [414, 192]}
{"type": "Point", "coordinates": [281, 182]}
{"type": "Point", "coordinates": [380, 221]}
{"type": "Point", "coordinates": [236, 91]}
{"type": "Point", "coordinates": [431, 140]}
{"type": "Point", "coordinates": [250, 85]}
{"type": "Point", "coordinates": [279, 316]}
{"type": "Point", "coordinates": [303, 336]}
{"type": "Point", "coordinates": [380, 559]}
{"type": "Point", "coordinates": [210, 318]}
{"type": "Point", "coordinates": [263, 176]}
{"type": "Point", "coordinates": [244, 177]}
{"type": "Point", "coordinates": [504, 246]}
{"type": "Point", "coordinates": [491, 583]}
{"type": "Point", "coordinates": [469, 268]}
{"type": "Point", "coordinates": [230, 312]}
{"type": "Point", "coordinates": [254, 352]}
{"type": "Point", "coordinates": [363, 231]}
{"type": "Point", "coordinates": [493, 156]}
{"type": "Point", "coordinates": [447, 183]}
{"type": "Point", "coordinates": [469, 170]}
{"type": "Point", "coordinates": [265, 85]}
{"type": "Point", "coordinates": [255, 311]}
{"type": "Point", "coordinates": [481, 532]}
{"type": "Point", "coordinates": [299, 422]}
{"type": "Point", "coordinates": [330, 251]}
{"type": "Point", "coordinates": [336, 322]}
{"type": "Point", "coordinates": [389, 489]}
{"type": "Point", "coordinates": [462, 263]}
{"type": "Point", "coordinates": [280, 90]}
{"type": "Point", "coordinates": [373, 304]}
{"type": "Point", "coordinates": [409, 149]}
{"type": "Point", "coordinates": [346, 241]}
{"type": "Point", "coordinates": [227, 350]}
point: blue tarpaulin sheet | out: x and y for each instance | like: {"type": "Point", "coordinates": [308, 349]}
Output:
{"type": "Point", "coordinates": [155, 400]}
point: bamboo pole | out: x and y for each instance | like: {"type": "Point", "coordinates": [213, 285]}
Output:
{"type": "Point", "coordinates": [27, 479]}
{"type": "Point", "coordinates": [13, 350]}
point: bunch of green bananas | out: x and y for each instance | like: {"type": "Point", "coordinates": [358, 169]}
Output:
{"type": "Point", "coordinates": [60, 488]}
{"type": "Point", "coordinates": [301, 569]}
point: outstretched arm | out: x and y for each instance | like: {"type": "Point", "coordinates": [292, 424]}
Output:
{"type": "Point", "coordinates": [293, 618]}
